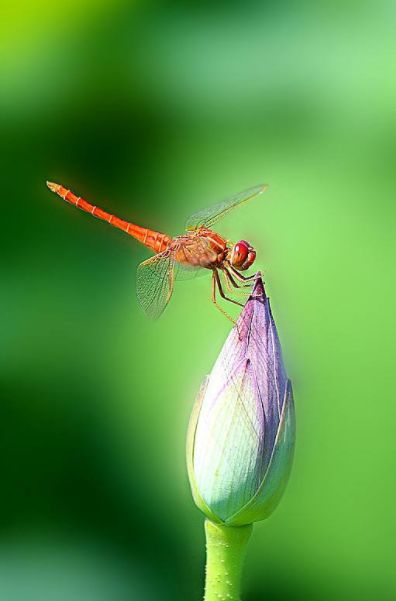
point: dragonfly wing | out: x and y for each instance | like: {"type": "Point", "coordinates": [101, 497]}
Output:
{"type": "Point", "coordinates": [208, 217]}
{"type": "Point", "coordinates": [187, 272]}
{"type": "Point", "coordinates": [154, 283]}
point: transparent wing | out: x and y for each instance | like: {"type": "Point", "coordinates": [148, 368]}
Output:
{"type": "Point", "coordinates": [188, 272]}
{"type": "Point", "coordinates": [208, 217]}
{"type": "Point", "coordinates": [154, 283]}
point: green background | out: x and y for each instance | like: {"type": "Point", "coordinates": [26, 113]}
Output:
{"type": "Point", "coordinates": [155, 110]}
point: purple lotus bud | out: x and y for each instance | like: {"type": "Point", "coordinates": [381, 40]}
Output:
{"type": "Point", "coordinates": [242, 430]}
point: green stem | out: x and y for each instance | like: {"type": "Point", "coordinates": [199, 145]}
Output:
{"type": "Point", "coordinates": [225, 549]}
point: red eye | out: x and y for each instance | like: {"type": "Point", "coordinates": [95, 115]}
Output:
{"type": "Point", "coordinates": [240, 253]}
{"type": "Point", "coordinates": [251, 258]}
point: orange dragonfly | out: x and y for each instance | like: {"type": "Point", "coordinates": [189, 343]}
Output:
{"type": "Point", "coordinates": [197, 249]}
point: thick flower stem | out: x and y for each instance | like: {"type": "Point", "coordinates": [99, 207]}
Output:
{"type": "Point", "coordinates": [225, 549]}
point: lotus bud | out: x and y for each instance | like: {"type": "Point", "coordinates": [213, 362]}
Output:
{"type": "Point", "coordinates": [242, 430]}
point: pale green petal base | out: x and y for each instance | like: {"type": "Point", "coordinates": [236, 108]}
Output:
{"type": "Point", "coordinates": [192, 426]}
{"type": "Point", "coordinates": [275, 479]}
{"type": "Point", "coordinates": [225, 549]}
{"type": "Point", "coordinates": [274, 483]}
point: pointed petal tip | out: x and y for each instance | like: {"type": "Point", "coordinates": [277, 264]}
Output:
{"type": "Point", "coordinates": [251, 310]}
{"type": "Point", "coordinates": [258, 289]}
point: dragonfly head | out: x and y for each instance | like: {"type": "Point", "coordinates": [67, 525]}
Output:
{"type": "Point", "coordinates": [242, 255]}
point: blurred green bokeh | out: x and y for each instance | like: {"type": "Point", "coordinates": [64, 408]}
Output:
{"type": "Point", "coordinates": [154, 110]}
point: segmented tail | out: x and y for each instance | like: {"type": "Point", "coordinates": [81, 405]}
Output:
{"type": "Point", "coordinates": [154, 240]}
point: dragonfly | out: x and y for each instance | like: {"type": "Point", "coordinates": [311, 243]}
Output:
{"type": "Point", "coordinates": [200, 248]}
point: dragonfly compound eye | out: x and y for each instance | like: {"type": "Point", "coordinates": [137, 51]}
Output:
{"type": "Point", "coordinates": [242, 255]}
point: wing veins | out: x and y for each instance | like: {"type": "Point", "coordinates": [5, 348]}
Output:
{"type": "Point", "coordinates": [208, 217]}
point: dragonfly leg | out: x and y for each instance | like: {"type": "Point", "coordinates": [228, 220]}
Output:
{"type": "Point", "coordinates": [239, 276]}
{"type": "Point", "coordinates": [220, 288]}
{"type": "Point", "coordinates": [214, 300]}
{"type": "Point", "coordinates": [227, 283]}
{"type": "Point", "coordinates": [231, 284]}
{"type": "Point", "coordinates": [234, 287]}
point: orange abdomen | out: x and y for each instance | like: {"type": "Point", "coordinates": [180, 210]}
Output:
{"type": "Point", "coordinates": [154, 240]}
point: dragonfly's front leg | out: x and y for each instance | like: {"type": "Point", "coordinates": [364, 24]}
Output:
{"type": "Point", "coordinates": [238, 275]}
{"type": "Point", "coordinates": [233, 287]}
